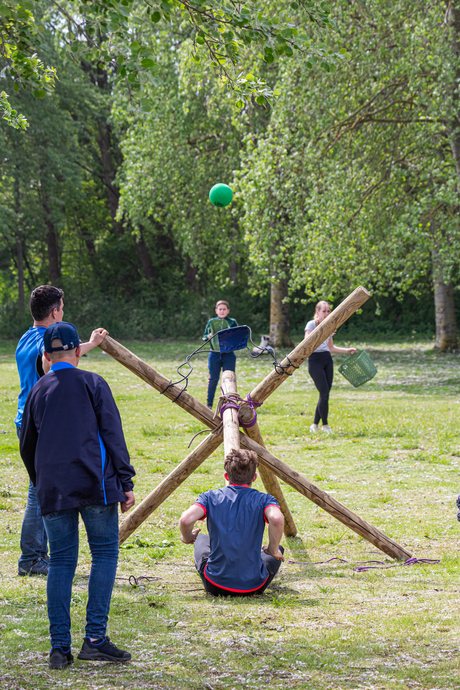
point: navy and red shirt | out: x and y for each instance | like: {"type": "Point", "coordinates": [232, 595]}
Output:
{"type": "Point", "coordinates": [236, 522]}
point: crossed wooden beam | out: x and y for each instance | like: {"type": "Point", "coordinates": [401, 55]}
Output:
{"type": "Point", "coordinates": [270, 467]}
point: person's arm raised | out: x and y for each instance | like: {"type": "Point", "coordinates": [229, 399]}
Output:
{"type": "Point", "coordinates": [187, 521]}
{"type": "Point", "coordinates": [275, 532]}
{"type": "Point", "coordinates": [97, 336]}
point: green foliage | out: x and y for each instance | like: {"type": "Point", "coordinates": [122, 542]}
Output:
{"type": "Point", "coordinates": [345, 180]}
{"type": "Point", "coordinates": [20, 38]}
{"type": "Point", "coordinates": [120, 37]}
{"type": "Point", "coordinates": [355, 179]}
{"type": "Point", "coordinates": [12, 117]}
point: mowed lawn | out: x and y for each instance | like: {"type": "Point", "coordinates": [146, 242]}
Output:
{"type": "Point", "coordinates": [393, 459]}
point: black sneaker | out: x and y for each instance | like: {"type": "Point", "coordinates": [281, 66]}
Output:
{"type": "Point", "coordinates": [102, 650]}
{"type": "Point", "coordinates": [59, 658]}
{"type": "Point", "coordinates": [40, 567]}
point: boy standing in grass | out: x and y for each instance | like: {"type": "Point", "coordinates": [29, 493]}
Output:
{"type": "Point", "coordinates": [232, 560]}
{"type": "Point", "coordinates": [74, 450]}
{"type": "Point", "coordinates": [46, 307]}
{"type": "Point", "coordinates": [217, 361]}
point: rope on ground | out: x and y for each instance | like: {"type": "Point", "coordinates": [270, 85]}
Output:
{"type": "Point", "coordinates": [362, 566]}
{"type": "Point", "coordinates": [136, 581]}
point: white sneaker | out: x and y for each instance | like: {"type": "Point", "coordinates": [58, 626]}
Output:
{"type": "Point", "coordinates": [314, 429]}
{"type": "Point", "coordinates": [326, 428]}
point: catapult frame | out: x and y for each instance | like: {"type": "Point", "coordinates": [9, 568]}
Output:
{"type": "Point", "coordinates": [270, 467]}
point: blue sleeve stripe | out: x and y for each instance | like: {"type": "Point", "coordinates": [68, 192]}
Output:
{"type": "Point", "coordinates": [103, 453]}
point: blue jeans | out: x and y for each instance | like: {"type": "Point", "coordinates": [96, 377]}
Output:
{"type": "Point", "coordinates": [33, 535]}
{"type": "Point", "coordinates": [101, 523]}
{"type": "Point", "coordinates": [217, 361]}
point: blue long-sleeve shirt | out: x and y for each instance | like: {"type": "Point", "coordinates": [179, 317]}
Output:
{"type": "Point", "coordinates": [72, 441]}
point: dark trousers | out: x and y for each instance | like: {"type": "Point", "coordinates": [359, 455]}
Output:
{"type": "Point", "coordinates": [201, 553]}
{"type": "Point", "coordinates": [217, 361]}
{"type": "Point", "coordinates": [321, 369]}
{"type": "Point", "coordinates": [33, 535]}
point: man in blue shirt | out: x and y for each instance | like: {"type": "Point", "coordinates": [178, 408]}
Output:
{"type": "Point", "coordinates": [232, 561]}
{"type": "Point", "coordinates": [47, 307]}
{"type": "Point", "coordinates": [74, 450]}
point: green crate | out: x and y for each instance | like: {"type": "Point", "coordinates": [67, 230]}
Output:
{"type": "Point", "coordinates": [358, 368]}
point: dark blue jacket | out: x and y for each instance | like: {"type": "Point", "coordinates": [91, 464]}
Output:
{"type": "Point", "coordinates": [72, 441]}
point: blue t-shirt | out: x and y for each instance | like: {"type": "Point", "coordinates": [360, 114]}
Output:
{"type": "Point", "coordinates": [29, 348]}
{"type": "Point", "coordinates": [236, 522]}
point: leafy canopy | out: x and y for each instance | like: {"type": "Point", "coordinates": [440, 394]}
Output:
{"type": "Point", "coordinates": [117, 35]}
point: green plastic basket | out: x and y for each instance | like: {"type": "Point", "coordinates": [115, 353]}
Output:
{"type": "Point", "coordinates": [358, 368]}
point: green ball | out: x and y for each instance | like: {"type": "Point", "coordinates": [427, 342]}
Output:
{"type": "Point", "coordinates": [220, 195]}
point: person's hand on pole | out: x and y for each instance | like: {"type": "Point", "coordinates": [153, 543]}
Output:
{"type": "Point", "coordinates": [97, 336]}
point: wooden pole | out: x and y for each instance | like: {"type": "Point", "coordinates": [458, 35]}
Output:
{"type": "Point", "coordinates": [267, 459]}
{"type": "Point", "coordinates": [148, 374]}
{"type": "Point", "coordinates": [295, 358]}
{"type": "Point", "coordinates": [232, 440]}
{"type": "Point", "coordinates": [272, 486]}
{"type": "Point", "coordinates": [231, 425]}
{"type": "Point", "coordinates": [170, 483]}
{"type": "Point", "coordinates": [159, 382]}
{"type": "Point", "coordinates": [326, 502]}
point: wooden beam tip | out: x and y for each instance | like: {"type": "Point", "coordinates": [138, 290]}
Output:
{"type": "Point", "coordinates": [360, 287]}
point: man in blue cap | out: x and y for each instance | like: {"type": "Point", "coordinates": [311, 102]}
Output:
{"type": "Point", "coordinates": [46, 307]}
{"type": "Point", "coordinates": [74, 450]}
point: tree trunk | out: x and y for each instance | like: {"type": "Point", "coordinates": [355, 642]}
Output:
{"type": "Point", "coordinates": [446, 327]}
{"type": "Point", "coordinates": [193, 283]}
{"type": "Point", "coordinates": [280, 330]}
{"type": "Point", "coordinates": [233, 271]}
{"type": "Point", "coordinates": [53, 252]}
{"type": "Point", "coordinates": [453, 127]}
{"type": "Point", "coordinates": [145, 259]}
{"type": "Point", "coordinates": [20, 260]}
{"type": "Point", "coordinates": [29, 277]}
{"type": "Point", "coordinates": [51, 236]}
{"type": "Point", "coordinates": [108, 173]}
{"type": "Point", "coordinates": [233, 264]}
{"type": "Point", "coordinates": [19, 250]}
{"type": "Point", "coordinates": [446, 324]}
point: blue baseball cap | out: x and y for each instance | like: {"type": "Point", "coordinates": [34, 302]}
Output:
{"type": "Point", "coordinates": [67, 334]}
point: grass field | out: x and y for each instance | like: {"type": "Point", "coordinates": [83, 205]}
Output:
{"type": "Point", "coordinates": [394, 459]}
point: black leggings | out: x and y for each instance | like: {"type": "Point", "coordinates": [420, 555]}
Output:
{"type": "Point", "coordinates": [321, 369]}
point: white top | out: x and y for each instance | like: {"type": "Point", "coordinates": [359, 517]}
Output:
{"type": "Point", "coordinates": [311, 325]}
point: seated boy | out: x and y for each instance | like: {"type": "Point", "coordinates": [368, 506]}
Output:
{"type": "Point", "coordinates": [232, 560]}
{"type": "Point", "coordinates": [218, 360]}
